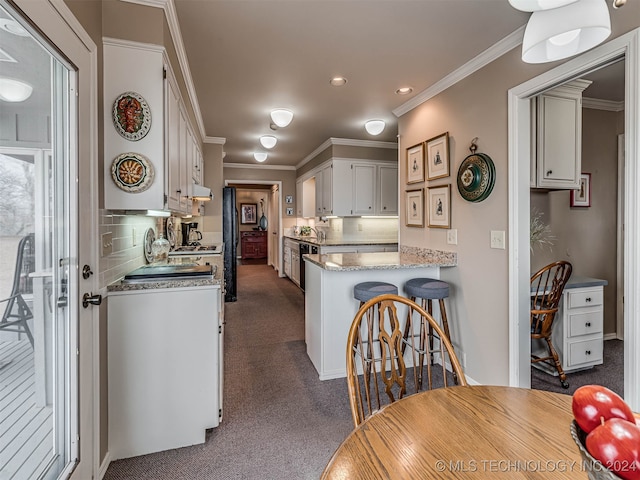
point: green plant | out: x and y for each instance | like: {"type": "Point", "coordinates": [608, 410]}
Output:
{"type": "Point", "coordinates": [539, 232]}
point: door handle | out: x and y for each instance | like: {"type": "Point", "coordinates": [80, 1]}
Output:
{"type": "Point", "coordinates": [89, 298]}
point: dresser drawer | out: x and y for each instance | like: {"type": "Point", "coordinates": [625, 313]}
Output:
{"type": "Point", "coordinates": [585, 323]}
{"type": "Point", "coordinates": [585, 298]}
{"type": "Point", "coordinates": [587, 352]}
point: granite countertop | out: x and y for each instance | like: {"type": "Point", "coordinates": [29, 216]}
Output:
{"type": "Point", "coordinates": [333, 242]}
{"type": "Point", "coordinates": [218, 279]}
{"type": "Point", "coordinates": [406, 258]}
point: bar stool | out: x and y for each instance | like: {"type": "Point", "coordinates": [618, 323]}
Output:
{"type": "Point", "coordinates": [365, 291]}
{"type": "Point", "coordinates": [428, 289]}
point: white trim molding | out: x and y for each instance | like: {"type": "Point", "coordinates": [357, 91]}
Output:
{"type": "Point", "coordinates": [349, 142]}
{"type": "Point", "coordinates": [599, 104]}
{"type": "Point", "coordinates": [492, 53]}
{"type": "Point", "coordinates": [626, 46]}
{"type": "Point", "coordinates": [216, 140]}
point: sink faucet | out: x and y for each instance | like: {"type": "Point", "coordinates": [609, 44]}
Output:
{"type": "Point", "coordinates": [320, 234]}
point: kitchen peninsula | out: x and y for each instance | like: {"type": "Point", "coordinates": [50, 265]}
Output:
{"type": "Point", "coordinates": [329, 303]}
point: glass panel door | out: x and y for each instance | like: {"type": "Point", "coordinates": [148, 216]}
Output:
{"type": "Point", "coordinates": [38, 337]}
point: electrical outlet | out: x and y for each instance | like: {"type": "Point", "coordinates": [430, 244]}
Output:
{"type": "Point", "coordinates": [497, 239]}
{"type": "Point", "coordinates": [452, 236]}
{"type": "Point", "coordinates": [133, 237]}
{"type": "Point", "coordinates": [106, 244]}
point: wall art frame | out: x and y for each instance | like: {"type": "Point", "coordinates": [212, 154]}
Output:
{"type": "Point", "coordinates": [439, 206]}
{"type": "Point", "coordinates": [414, 208]}
{"type": "Point", "coordinates": [582, 196]}
{"type": "Point", "coordinates": [437, 157]}
{"type": "Point", "coordinates": [131, 116]}
{"type": "Point", "coordinates": [415, 163]}
{"type": "Point", "coordinates": [248, 213]}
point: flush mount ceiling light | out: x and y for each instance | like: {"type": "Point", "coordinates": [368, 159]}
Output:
{"type": "Point", "coordinates": [535, 5]}
{"type": "Point", "coordinates": [260, 156]}
{"type": "Point", "coordinates": [282, 117]}
{"type": "Point", "coordinates": [566, 31]}
{"type": "Point", "coordinates": [268, 141]}
{"type": "Point", "coordinates": [374, 127]}
{"type": "Point", "coordinates": [619, 3]}
{"type": "Point", "coordinates": [12, 90]}
{"type": "Point", "coordinates": [404, 90]}
{"type": "Point", "coordinates": [338, 81]}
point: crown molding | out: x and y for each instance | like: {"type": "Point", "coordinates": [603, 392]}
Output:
{"type": "Point", "coordinates": [217, 140]}
{"type": "Point", "coordinates": [119, 42]}
{"type": "Point", "coordinates": [350, 142]}
{"type": "Point", "coordinates": [598, 104]}
{"type": "Point", "coordinates": [261, 167]}
{"type": "Point", "coordinates": [174, 28]}
{"type": "Point", "coordinates": [492, 53]}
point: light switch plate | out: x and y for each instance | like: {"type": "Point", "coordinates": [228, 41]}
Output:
{"type": "Point", "coordinates": [452, 236]}
{"type": "Point", "coordinates": [106, 244]}
{"type": "Point", "coordinates": [497, 239]}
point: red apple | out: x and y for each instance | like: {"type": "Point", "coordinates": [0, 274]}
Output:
{"type": "Point", "coordinates": [591, 403]}
{"type": "Point", "coordinates": [616, 444]}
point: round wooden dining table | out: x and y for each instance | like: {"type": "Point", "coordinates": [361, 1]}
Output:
{"type": "Point", "coordinates": [464, 432]}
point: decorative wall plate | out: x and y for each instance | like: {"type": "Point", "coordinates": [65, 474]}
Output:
{"type": "Point", "coordinates": [131, 116]}
{"type": "Point", "coordinates": [171, 232]}
{"type": "Point", "coordinates": [476, 177]}
{"type": "Point", "coordinates": [149, 238]}
{"type": "Point", "coordinates": [132, 172]}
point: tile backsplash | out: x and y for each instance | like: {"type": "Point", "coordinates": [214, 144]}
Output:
{"type": "Point", "coordinates": [127, 233]}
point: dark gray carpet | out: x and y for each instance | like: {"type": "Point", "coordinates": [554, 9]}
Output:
{"type": "Point", "coordinates": [280, 422]}
{"type": "Point", "coordinates": [610, 374]}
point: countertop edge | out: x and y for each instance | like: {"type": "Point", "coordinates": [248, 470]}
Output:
{"type": "Point", "coordinates": [347, 262]}
{"type": "Point", "coordinates": [118, 286]}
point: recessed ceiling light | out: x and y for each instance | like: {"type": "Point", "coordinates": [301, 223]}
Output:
{"type": "Point", "coordinates": [404, 90]}
{"type": "Point", "coordinates": [12, 90]}
{"type": "Point", "coordinates": [260, 156]}
{"type": "Point", "coordinates": [338, 81]}
{"type": "Point", "coordinates": [374, 127]}
{"type": "Point", "coordinates": [268, 141]}
{"type": "Point", "coordinates": [282, 117]}
{"type": "Point", "coordinates": [12, 26]}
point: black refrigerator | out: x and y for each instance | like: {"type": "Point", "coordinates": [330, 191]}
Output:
{"type": "Point", "coordinates": [230, 235]}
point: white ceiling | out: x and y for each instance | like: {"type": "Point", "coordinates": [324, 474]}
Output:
{"type": "Point", "coordinates": [249, 56]}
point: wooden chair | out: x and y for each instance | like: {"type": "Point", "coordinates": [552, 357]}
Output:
{"type": "Point", "coordinates": [547, 285]}
{"type": "Point", "coordinates": [17, 313]}
{"type": "Point", "coordinates": [388, 355]}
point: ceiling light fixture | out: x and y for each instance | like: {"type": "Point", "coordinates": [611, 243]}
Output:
{"type": "Point", "coordinates": [404, 90]}
{"type": "Point", "coordinates": [565, 31]}
{"type": "Point", "coordinates": [260, 156]}
{"type": "Point", "coordinates": [268, 141]}
{"type": "Point", "coordinates": [536, 5]}
{"type": "Point", "coordinates": [282, 117]}
{"type": "Point", "coordinates": [338, 81]}
{"type": "Point", "coordinates": [12, 90]}
{"type": "Point", "coordinates": [374, 127]}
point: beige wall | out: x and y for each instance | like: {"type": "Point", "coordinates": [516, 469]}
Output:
{"type": "Point", "coordinates": [211, 222]}
{"type": "Point", "coordinates": [477, 107]}
{"type": "Point", "coordinates": [586, 237]}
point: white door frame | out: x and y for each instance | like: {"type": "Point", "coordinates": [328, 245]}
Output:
{"type": "Point", "coordinates": [279, 206]}
{"type": "Point", "coordinates": [60, 26]}
{"type": "Point", "coordinates": [627, 46]}
{"type": "Point", "coordinates": [622, 168]}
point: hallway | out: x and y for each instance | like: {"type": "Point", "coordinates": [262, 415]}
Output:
{"type": "Point", "coordinates": [280, 421]}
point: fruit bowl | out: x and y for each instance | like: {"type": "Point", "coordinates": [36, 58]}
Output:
{"type": "Point", "coordinates": [594, 468]}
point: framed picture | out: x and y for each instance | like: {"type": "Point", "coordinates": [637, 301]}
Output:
{"type": "Point", "coordinates": [415, 163]}
{"type": "Point", "coordinates": [439, 206]}
{"type": "Point", "coordinates": [289, 211]}
{"type": "Point", "coordinates": [249, 213]}
{"type": "Point", "coordinates": [288, 199]}
{"type": "Point", "coordinates": [438, 157]}
{"type": "Point", "coordinates": [414, 208]}
{"type": "Point", "coordinates": [582, 196]}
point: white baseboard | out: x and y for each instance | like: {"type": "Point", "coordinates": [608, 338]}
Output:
{"type": "Point", "coordinates": [610, 336]}
{"type": "Point", "coordinates": [103, 467]}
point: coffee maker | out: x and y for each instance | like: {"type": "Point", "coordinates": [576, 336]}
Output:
{"type": "Point", "coordinates": [190, 234]}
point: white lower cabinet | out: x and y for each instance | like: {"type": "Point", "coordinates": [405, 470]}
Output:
{"type": "Point", "coordinates": [164, 368]}
{"type": "Point", "coordinates": [577, 330]}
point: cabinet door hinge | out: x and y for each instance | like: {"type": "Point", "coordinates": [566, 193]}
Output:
{"type": "Point", "coordinates": [219, 328]}
{"type": "Point", "coordinates": [164, 73]}
{"type": "Point", "coordinates": [219, 413]}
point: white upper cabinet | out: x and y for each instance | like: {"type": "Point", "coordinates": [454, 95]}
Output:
{"type": "Point", "coordinates": [346, 188]}
{"type": "Point", "coordinates": [559, 137]}
{"type": "Point", "coordinates": [170, 147]}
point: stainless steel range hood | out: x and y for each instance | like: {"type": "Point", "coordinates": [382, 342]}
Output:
{"type": "Point", "coordinates": [202, 193]}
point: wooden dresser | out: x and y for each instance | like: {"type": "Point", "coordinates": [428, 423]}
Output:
{"type": "Point", "coordinates": [253, 244]}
